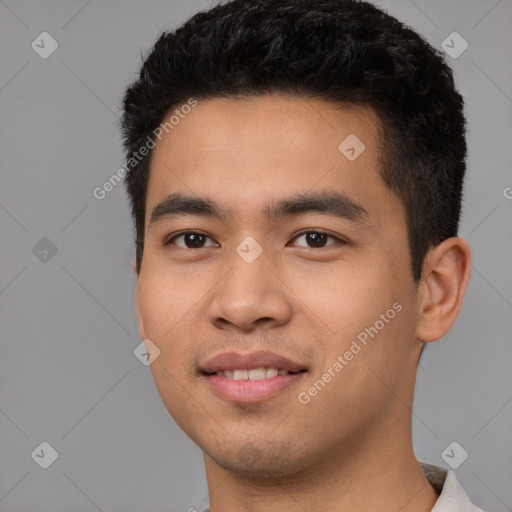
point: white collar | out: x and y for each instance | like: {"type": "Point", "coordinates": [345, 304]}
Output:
{"type": "Point", "coordinates": [452, 497]}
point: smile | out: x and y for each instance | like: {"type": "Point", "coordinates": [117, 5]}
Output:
{"type": "Point", "coordinates": [253, 374]}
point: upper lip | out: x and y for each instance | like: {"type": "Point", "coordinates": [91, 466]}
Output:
{"type": "Point", "coordinates": [261, 359]}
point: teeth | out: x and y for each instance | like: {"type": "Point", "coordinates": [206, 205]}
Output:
{"type": "Point", "coordinates": [240, 375]}
{"type": "Point", "coordinates": [254, 374]}
{"type": "Point", "coordinates": [271, 372]}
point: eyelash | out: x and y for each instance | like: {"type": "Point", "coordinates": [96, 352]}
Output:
{"type": "Point", "coordinates": [306, 232]}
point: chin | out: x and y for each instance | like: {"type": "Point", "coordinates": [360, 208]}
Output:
{"type": "Point", "coordinates": [268, 461]}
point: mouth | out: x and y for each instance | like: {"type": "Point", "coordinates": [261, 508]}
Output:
{"type": "Point", "coordinates": [251, 378]}
{"type": "Point", "coordinates": [253, 373]}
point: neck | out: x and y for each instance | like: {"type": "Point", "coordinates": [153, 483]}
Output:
{"type": "Point", "coordinates": [371, 471]}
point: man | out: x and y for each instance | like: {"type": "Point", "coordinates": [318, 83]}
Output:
{"type": "Point", "coordinates": [295, 177]}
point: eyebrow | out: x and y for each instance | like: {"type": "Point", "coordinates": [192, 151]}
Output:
{"type": "Point", "coordinates": [328, 202]}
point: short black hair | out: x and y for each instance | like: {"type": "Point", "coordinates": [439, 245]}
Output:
{"type": "Point", "coordinates": [343, 51]}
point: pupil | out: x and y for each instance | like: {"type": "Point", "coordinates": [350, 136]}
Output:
{"type": "Point", "coordinates": [194, 237]}
{"type": "Point", "coordinates": [315, 237]}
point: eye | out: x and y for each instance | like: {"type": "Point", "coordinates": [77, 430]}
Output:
{"type": "Point", "coordinates": [192, 240]}
{"type": "Point", "coordinates": [195, 240]}
{"type": "Point", "coordinates": [317, 238]}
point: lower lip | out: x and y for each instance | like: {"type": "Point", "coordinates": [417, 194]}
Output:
{"type": "Point", "coordinates": [250, 391]}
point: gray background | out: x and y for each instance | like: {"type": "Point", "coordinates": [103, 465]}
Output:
{"type": "Point", "coordinates": [68, 374]}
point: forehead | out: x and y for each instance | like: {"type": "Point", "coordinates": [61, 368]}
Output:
{"type": "Point", "coordinates": [243, 152]}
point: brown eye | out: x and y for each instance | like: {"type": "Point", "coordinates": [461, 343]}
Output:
{"type": "Point", "coordinates": [317, 239]}
{"type": "Point", "coordinates": [191, 239]}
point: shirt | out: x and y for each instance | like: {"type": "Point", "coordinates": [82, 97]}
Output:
{"type": "Point", "coordinates": [452, 497]}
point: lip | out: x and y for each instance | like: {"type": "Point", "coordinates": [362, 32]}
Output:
{"type": "Point", "coordinates": [261, 359]}
{"type": "Point", "coordinates": [250, 391]}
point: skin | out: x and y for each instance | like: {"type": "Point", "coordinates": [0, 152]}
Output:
{"type": "Point", "coordinates": [350, 448]}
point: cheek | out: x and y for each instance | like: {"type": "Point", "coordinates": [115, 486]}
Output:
{"type": "Point", "coordinates": [365, 320]}
{"type": "Point", "coordinates": [165, 298]}
{"type": "Point", "coordinates": [348, 297]}
{"type": "Point", "coordinates": [164, 305]}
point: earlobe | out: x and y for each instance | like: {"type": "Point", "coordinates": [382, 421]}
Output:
{"type": "Point", "coordinates": [446, 271]}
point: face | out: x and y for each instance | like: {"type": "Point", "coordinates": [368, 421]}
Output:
{"type": "Point", "coordinates": [298, 264]}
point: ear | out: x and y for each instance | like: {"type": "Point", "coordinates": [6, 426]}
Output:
{"type": "Point", "coordinates": [138, 311]}
{"type": "Point", "coordinates": [445, 276]}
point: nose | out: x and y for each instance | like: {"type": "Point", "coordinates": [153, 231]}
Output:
{"type": "Point", "coordinates": [250, 296]}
